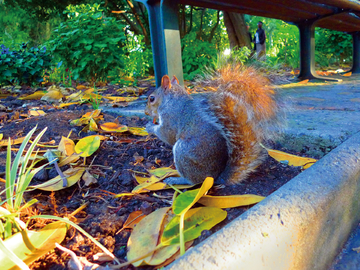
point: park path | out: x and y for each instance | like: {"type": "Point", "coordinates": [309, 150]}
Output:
{"type": "Point", "coordinates": [327, 110]}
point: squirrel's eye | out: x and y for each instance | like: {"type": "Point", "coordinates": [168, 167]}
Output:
{"type": "Point", "coordinates": [152, 98]}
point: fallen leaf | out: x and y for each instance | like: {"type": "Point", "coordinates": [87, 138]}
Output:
{"type": "Point", "coordinates": [144, 238]}
{"type": "Point", "coordinates": [12, 142]}
{"type": "Point", "coordinates": [161, 172]}
{"type": "Point", "coordinates": [121, 99]}
{"type": "Point", "coordinates": [230, 201]}
{"type": "Point", "coordinates": [113, 127]}
{"type": "Point", "coordinates": [347, 74]}
{"type": "Point", "coordinates": [291, 160]}
{"type": "Point", "coordinates": [88, 178]}
{"type": "Point", "coordinates": [133, 219]}
{"type": "Point", "coordinates": [138, 131]}
{"type": "Point", "coordinates": [196, 220]}
{"type": "Point", "coordinates": [36, 95]}
{"type": "Point", "coordinates": [67, 104]}
{"type": "Point", "coordinates": [66, 146]}
{"type": "Point", "coordinates": [186, 200]}
{"type": "Point", "coordinates": [87, 146]}
{"type": "Point", "coordinates": [43, 240]}
{"type": "Point", "coordinates": [303, 81]}
{"type": "Point", "coordinates": [72, 175]}
{"type": "Point", "coordinates": [36, 112]}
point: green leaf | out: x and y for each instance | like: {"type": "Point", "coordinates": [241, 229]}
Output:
{"type": "Point", "coordinates": [87, 146]}
{"type": "Point", "coordinates": [196, 220]}
{"type": "Point", "coordinates": [185, 200]}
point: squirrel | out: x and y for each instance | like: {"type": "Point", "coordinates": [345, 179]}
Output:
{"type": "Point", "coordinates": [217, 134]}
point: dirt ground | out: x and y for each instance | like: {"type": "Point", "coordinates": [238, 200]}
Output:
{"type": "Point", "coordinates": [114, 162]}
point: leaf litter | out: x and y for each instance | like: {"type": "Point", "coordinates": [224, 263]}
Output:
{"type": "Point", "coordinates": [119, 177]}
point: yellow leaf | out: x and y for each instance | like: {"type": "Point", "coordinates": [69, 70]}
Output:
{"type": "Point", "coordinates": [36, 112]}
{"type": "Point", "coordinates": [73, 175]}
{"type": "Point", "coordinates": [92, 125]}
{"type": "Point", "coordinates": [145, 185]}
{"type": "Point", "coordinates": [43, 240]}
{"type": "Point", "coordinates": [161, 172]}
{"type": "Point", "coordinates": [54, 95]}
{"type": "Point", "coordinates": [303, 81]}
{"type": "Point", "coordinates": [133, 219]}
{"type": "Point", "coordinates": [68, 160]}
{"type": "Point", "coordinates": [36, 95]}
{"type": "Point", "coordinates": [145, 236]}
{"type": "Point", "coordinates": [138, 131]}
{"type": "Point", "coordinates": [67, 104]}
{"type": "Point", "coordinates": [66, 146]}
{"type": "Point", "coordinates": [13, 142]}
{"type": "Point", "coordinates": [121, 99]}
{"type": "Point", "coordinates": [80, 87]}
{"type": "Point", "coordinates": [124, 195]}
{"type": "Point", "coordinates": [87, 146]}
{"type": "Point", "coordinates": [347, 74]}
{"type": "Point", "coordinates": [101, 137]}
{"type": "Point", "coordinates": [230, 201]}
{"type": "Point", "coordinates": [291, 160]}
{"type": "Point", "coordinates": [113, 127]}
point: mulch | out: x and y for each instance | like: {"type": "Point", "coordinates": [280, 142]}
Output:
{"type": "Point", "coordinates": [114, 163]}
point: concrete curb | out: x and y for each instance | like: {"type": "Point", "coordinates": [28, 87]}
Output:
{"type": "Point", "coordinates": [303, 225]}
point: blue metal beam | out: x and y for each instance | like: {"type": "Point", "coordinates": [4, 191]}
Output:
{"type": "Point", "coordinates": [165, 38]}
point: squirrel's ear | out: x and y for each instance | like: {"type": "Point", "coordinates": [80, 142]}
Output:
{"type": "Point", "coordinates": [165, 82]}
{"type": "Point", "coordinates": [174, 80]}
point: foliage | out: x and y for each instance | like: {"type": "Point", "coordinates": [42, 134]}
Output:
{"type": "Point", "coordinates": [138, 60]}
{"type": "Point", "coordinates": [88, 43]}
{"type": "Point", "coordinates": [23, 66]}
{"type": "Point", "coordinates": [332, 47]}
{"type": "Point", "coordinates": [238, 55]}
{"type": "Point", "coordinates": [282, 40]}
{"type": "Point", "coordinates": [17, 26]}
{"type": "Point", "coordinates": [196, 55]}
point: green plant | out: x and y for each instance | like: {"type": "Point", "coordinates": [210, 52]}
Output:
{"type": "Point", "coordinates": [196, 55]}
{"type": "Point", "coordinates": [16, 241]}
{"type": "Point", "coordinates": [238, 56]}
{"type": "Point", "coordinates": [89, 43]}
{"type": "Point", "coordinates": [23, 66]}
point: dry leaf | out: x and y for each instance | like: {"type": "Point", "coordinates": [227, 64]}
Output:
{"type": "Point", "coordinates": [88, 178]}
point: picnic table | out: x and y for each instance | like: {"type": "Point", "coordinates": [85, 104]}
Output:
{"type": "Point", "coordinates": [339, 15]}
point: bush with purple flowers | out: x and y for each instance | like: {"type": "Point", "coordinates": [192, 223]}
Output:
{"type": "Point", "coordinates": [23, 66]}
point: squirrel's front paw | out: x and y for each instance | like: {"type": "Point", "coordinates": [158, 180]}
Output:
{"type": "Point", "coordinates": [150, 127]}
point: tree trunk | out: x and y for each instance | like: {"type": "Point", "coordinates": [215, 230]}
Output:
{"type": "Point", "coordinates": [212, 33]}
{"type": "Point", "coordinates": [237, 30]}
{"type": "Point", "coordinates": [199, 33]}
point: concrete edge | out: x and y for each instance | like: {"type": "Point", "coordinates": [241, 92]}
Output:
{"type": "Point", "coordinates": [303, 225]}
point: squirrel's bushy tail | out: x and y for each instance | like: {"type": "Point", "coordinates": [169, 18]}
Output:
{"type": "Point", "coordinates": [247, 107]}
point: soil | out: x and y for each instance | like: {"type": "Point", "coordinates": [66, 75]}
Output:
{"type": "Point", "coordinates": [114, 163]}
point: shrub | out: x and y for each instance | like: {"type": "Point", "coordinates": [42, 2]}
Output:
{"type": "Point", "coordinates": [23, 66]}
{"type": "Point", "coordinates": [88, 43]}
{"type": "Point", "coordinates": [196, 55]}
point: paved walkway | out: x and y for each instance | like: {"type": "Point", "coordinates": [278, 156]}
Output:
{"type": "Point", "coordinates": [330, 111]}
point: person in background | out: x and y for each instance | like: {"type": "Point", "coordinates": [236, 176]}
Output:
{"type": "Point", "coordinates": [259, 41]}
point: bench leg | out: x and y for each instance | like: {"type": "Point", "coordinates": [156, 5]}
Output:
{"type": "Point", "coordinates": [165, 38]}
{"type": "Point", "coordinates": [307, 52]}
{"type": "Point", "coordinates": [356, 53]}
